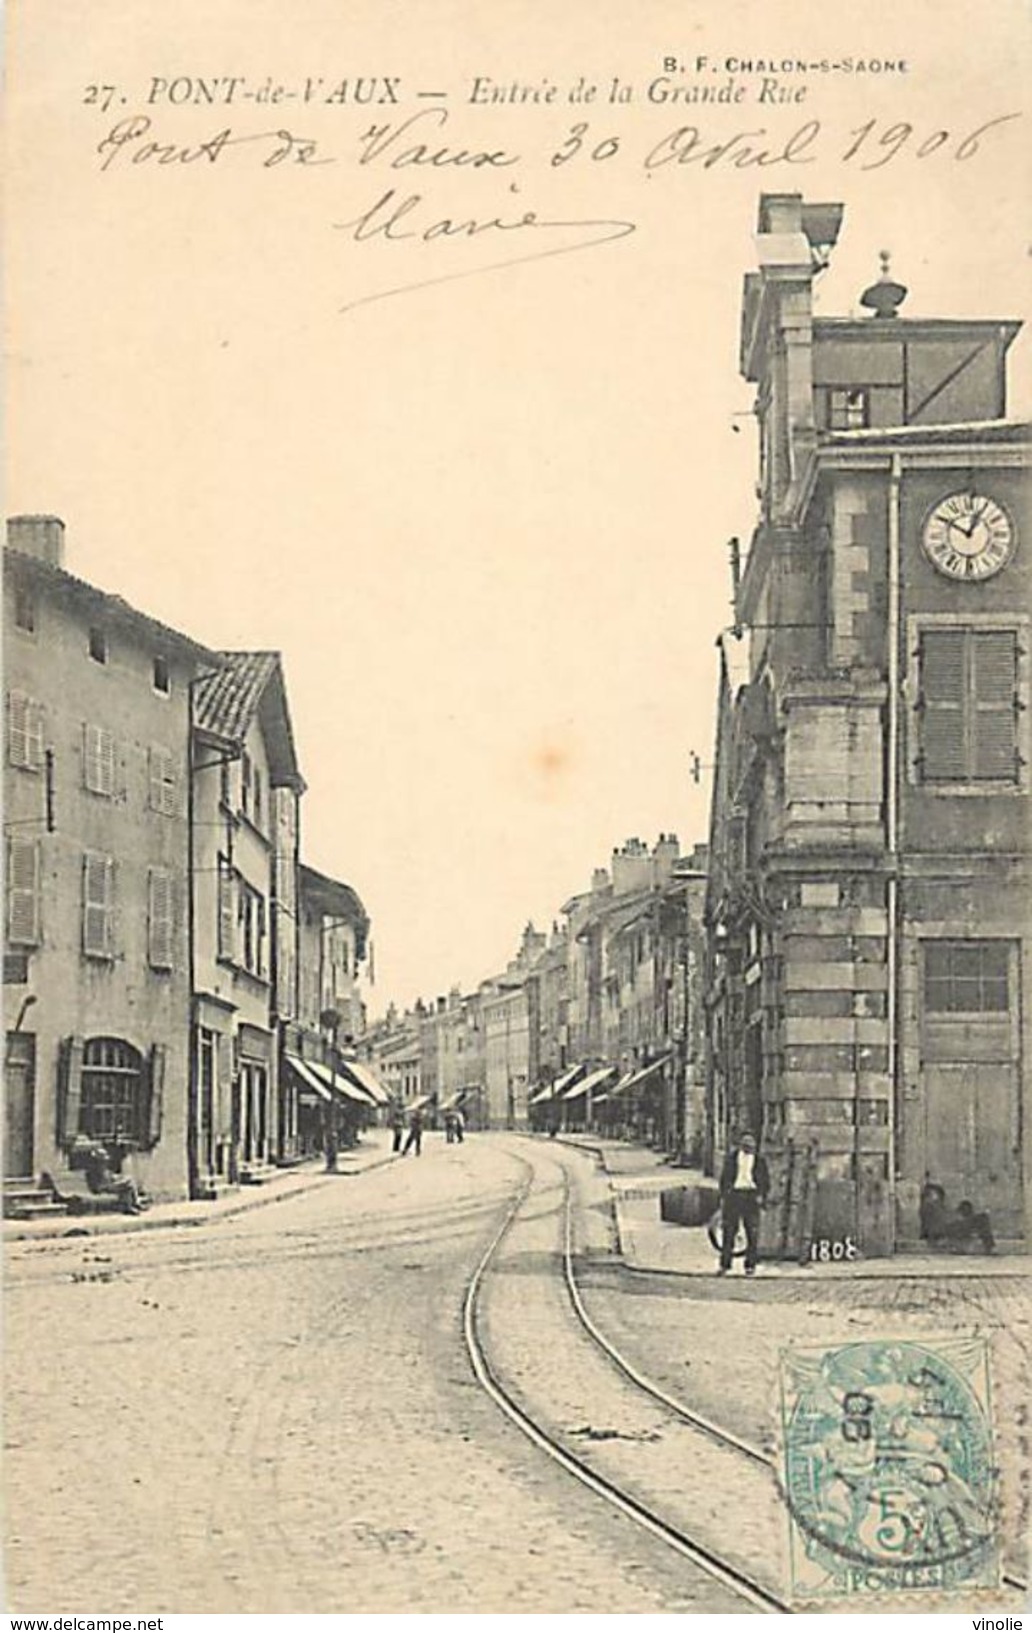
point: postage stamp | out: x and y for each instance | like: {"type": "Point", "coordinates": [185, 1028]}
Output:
{"type": "Point", "coordinates": [888, 1467]}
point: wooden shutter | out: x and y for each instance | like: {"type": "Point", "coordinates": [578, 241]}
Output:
{"type": "Point", "coordinates": [98, 876]}
{"type": "Point", "coordinates": [98, 754]}
{"type": "Point", "coordinates": [162, 781]}
{"type": "Point", "coordinates": [156, 1095]}
{"type": "Point", "coordinates": [944, 751]}
{"type": "Point", "coordinates": [24, 731]}
{"type": "Point", "coordinates": [160, 924]}
{"type": "Point", "coordinates": [69, 1089]}
{"type": "Point", "coordinates": [23, 892]}
{"type": "Point", "coordinates": [994, 702]}
{"type": "Point", "coordinates": [227, 911]}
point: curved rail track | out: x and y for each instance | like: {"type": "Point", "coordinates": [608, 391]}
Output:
{"type": "Point", "coordinates": [705, 1558]}
{"type": "Point", "coordinates": [640, 1513]}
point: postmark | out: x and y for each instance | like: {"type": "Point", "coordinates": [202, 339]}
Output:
{"type": "Point", "coordinates": [888, 1468]}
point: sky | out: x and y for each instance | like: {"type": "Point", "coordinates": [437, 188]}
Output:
{"type": "Point", "coordinates": [481, 509]}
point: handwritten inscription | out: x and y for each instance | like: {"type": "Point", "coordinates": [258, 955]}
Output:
{"type": "Point", "coordinates": [428, 145]}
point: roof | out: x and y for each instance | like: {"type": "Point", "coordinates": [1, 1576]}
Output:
{"type": "Point", "coordinates": [96, 601]}
{"type": "Point", "coordinates": [250, 686]}
{"type": "Point", "coordinates": [1005, 431]}
{"type": "Point", "coordinates": [335, 897]}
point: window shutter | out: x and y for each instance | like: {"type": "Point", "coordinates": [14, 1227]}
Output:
{"type": "Point", "coordinates": [69, 1089]}
{"type": "Point", "coordinates": [97, 900]}
{"type": "Point", "coordinates": [23, 892]}
{"type": "Point", "coordinates": [24, 731]}
{"type": "Point", "coordinates": [943, 691]}
{"type": "Point", "coordinates": [227, 912]}
{"type": "Point", "coordinates": [994, 691]}
{"type": "Point", "coordinates": [157, 1093]}
{"type": "Point", "coordinates": [98, 759]}
{"type": "Point", "coordinates": [162, 781]}
{"type": "Point", "coordinates": [224, 1098]}
{"type": "Point", "coordinates": [160, 919]}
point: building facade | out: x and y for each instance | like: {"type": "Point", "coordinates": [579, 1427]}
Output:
{"type": "Point", "coordinates": [97, 826]}
{"type": "Point", "coordinates": [869, 946]}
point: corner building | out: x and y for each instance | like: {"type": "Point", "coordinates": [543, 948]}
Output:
{"type": "Point", "coordinates": [868, 912]}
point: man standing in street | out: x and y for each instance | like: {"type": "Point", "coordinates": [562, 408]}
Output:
{"type": "Point", "coordinates": [744, 1185]}
{"type": "Point", "coordinates": [415, 1134]}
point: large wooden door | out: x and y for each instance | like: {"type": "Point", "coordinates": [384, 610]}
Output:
{"type": "Point", "coordinates": [971, 1070]}
{"type": "Point", "coordinates": [972, 1137]}
{"type": "Point", "coordinates": [19, 1105]}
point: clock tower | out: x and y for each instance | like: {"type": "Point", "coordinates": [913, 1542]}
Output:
{"type": "Point", "coordinates": [871, 957]}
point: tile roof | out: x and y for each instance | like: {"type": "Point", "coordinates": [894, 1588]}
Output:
{"type": "Point", "coordinates": [226, 701]}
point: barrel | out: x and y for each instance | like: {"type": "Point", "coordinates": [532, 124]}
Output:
{"type": "Point", "coordinates": [688, 1204]}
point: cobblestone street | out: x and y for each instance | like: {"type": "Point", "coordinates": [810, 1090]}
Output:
{"type": "Point", "coordinates": [276, 1412]}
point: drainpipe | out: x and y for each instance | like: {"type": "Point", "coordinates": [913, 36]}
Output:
{"type": "Point", "coordinates": [892, 821]}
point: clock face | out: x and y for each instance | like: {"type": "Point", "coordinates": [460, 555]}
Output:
{"type": "Point", "coordinates": [968, 536]}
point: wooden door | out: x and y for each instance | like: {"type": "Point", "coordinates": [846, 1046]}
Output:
{"type": "Point", "coordinates": [973, 1137]}
{"type": "Point", "coordinates": [19, 1105]}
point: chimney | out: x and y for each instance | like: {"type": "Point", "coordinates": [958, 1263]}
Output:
{"type": "Point", "coordinates": [631, 867]}
{"type": "Point", "coordinates": [664, 856]}
{"type": "Point", "coordinates": [599, 881]}
{"type": "Point", "coordinates": [39, 536]}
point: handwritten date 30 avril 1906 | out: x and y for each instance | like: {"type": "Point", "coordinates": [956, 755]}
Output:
{"type": "Point", "coordinates": [415, 148]}
{"type": "Point", "coordinates": [417, 143]}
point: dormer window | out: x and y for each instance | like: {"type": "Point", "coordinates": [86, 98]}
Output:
{"type": "Point", "coordinates": [98, 645]}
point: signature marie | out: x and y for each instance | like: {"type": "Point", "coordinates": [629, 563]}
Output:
{"type": "Point", "coordinates": [396, 218]}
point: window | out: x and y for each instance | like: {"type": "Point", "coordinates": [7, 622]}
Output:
{"type": "Point", "coordinates": [23, 892]}
{"type": "Point", "coordinates": [111, 1105]}
{"type": "Point", "coordinates": [160, 919]}
{"type": "Point", "coordinates": [245, 784]}
{"type": "Point", "coordinates": [163, 781]}
{"type": "Point", "coordinates": [24, 731]}
{"type": "Point", "coordinates": [968, 706]}
{"type": "Point", "coordinates": [97, 645]}
{"type": "Point", "coordinates": [98, 895]}
{"type": "Point", "coordinates": [257, 802]}
{"type": "Point", "coordinates": [98, 760]}
{"type": "Point", "coordinates": [225, 791]}
{"type": "Point", "coordinates": [24, 609]}
{"type": "Point", "coordinates": [848, 408]}
{"type": "Point", "coordinates": [966, 977]}
{"type": "Point", "coordinates": [251, 929]}
{"type": "Point", "coordinates": [162, 678]}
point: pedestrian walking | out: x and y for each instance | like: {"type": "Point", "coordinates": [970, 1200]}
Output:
{"type": "Point", "coordinates": [414, 1142]}
{"type": "Point", "coordinates": [397, 1128]}
{"type": "Point", "coordinates": [459, 1125]}
{"type": "Point", "coordinates": [449, 1128]}
{"type": "Point", "coordinates": [744, 1187]}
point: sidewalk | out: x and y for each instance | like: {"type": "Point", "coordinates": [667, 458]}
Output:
{"type": "Point", "coordinates": [636, 1177]}
{"type": "Point", "coordinates": [373, 1152]}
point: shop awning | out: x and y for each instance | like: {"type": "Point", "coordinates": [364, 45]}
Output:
{"type": "Point", "coordinates": [310, 1084]}
{"type": "Point", "coordinates": [592, 1081]}
{"type": "Point", "coordinates": [632, 1079]}
{"type": "Point", "coordinates": [365, 1078]}
{"type": "Point", "coordinates": [453, 1101]}
{"type": "Point", "coordinates": [540, 1095]}
{"type": "Point", "coordinates": [340, 1085]}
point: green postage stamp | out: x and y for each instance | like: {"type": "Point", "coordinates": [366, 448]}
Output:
{"type": "Point", "coordinates": [888, 1467]}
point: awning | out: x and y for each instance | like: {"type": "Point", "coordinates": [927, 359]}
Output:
{"type": "Point", "coordinates": [310, 1084]}
{"type": "Point", "coordinates": [590, 1082]}
{"type": "Point", "coordinates": [562, 1083]}
{"type": "Point", "coordinates": [453, 1101]}
{"type": "Point", "coordinates": [338, 1084]}
{"type": "Point", "coordinates": [547, 1093]}
{"type": "Point", "coordinates": [632, 1079]}
{"type": "Point", "coordinates": [365, 1078]}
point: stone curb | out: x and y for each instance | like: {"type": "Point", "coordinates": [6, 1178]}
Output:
{"type": "Point", "coordinates": [782, 1272]}
{"type": "Point", "coordinates": [75, 1226]}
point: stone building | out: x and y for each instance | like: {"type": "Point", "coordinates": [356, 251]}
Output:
{"type": "Point", "coordinates": [869, 956]}
{"type": "Point", "coordinates": [97, 821]}
{"type": "Point", "coordinates": [246, 791]}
